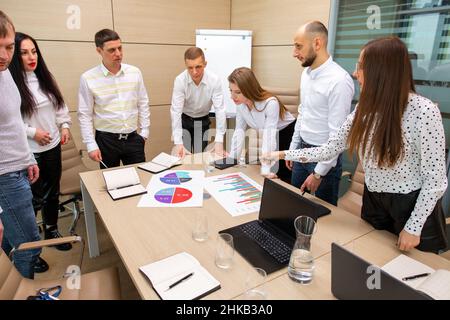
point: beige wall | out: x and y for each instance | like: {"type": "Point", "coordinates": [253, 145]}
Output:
{"type": "Point", "coordinates": [155, 34]}
{"type": "Point", "coordinates": [274, 23]}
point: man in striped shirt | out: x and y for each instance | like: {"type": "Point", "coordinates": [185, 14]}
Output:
{"type": "Point", "coordinates": [113, 100]}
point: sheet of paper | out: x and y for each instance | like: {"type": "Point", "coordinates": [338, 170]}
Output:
{"type": "Point", "coordinates": [121, 177]}
{"type": "Point", "coordinates": [175, 188]}
{"type": "Point", "coordinates": [165, 159]}
{"type": "Point", "coordinates": [236, 193]}
{"type": "Point", "coordinates": [404, 266]}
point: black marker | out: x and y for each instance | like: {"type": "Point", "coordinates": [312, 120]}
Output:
{"type": "Point", "coordinates": [421, 275]}
{"type": "Point", "coordinates": [180, 281]}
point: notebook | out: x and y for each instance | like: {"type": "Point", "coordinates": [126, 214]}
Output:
{"type": "Point", "coordinates": [353, 278]}
{"type": "Point", "coordinates": [436, 284]}
{"type": "Point", "coordinates": [180, 277]}
{"type": "Point", "coordinates": [267, 242]}
{"type": "Point", "coordinates": [123, 183]}
{"type": "Point", "coordinates": [161, 162]}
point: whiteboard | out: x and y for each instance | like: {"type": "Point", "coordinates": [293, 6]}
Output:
{"type": "Point", "coordinates": [225, 50]}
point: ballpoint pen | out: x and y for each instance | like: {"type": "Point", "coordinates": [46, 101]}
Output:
{"type": "Point", "coordinates": [103, 164]}
{"type": "Point", "coordinates": [421, 275]}
{"type": "Point", "coordinates": [180, 281]}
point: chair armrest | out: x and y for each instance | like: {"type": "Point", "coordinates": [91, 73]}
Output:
{"type": "Point", "coordinates": [47, 243]}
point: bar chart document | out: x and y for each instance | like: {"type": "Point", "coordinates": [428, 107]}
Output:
{"type": "Point", "coordinates": [236, 192]}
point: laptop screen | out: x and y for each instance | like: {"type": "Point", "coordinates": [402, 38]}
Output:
{"type": "Point", "coordinates": [280, 206]}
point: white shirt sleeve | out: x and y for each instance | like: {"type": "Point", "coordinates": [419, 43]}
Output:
{"type": "Point", "coordinates": [63, 119]}
{"type": "Point", "coordinates": [219, 109]}
{"type": "Point", "coordinates": [85, 115]}
{"type": "Point", "coordinates": [295, 142]}
{"type": "Point", "coordinates": [340, 103]}
{"type": "Point", "coordinates": [176, 109]}
{"type": "Point", "coordinates": [335, 145]}
{"type": "Point", "coordinates": [269, 140]}
{"type": "Point", "coordinates": [432, 168]}
{"type": "Point", "coordinates": [143, 108]}
{"type": "Point", "coordinates": [237, 142]}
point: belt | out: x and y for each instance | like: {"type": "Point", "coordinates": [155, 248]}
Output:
{"type": "Point", "coordinates": [118, 136]}
{"type": "Point", "coordinates": [195, 119]}
{"type": "Point", "coordinates": [304, 145]}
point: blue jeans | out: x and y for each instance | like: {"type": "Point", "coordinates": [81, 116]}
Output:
{"type": "Point", "coordinates": [329, 187]}
{"type": "Point", "coordinates": [18, 220]}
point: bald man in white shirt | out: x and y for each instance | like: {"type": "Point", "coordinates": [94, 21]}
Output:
{"type": "Point", "coordinates": [326, 94]}
{"type": "Point", "coordinates": [195, 91]}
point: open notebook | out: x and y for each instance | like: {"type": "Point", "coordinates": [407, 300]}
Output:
{"type": "Point", "coordinates": [161, 162]}
{"type": "Point", "coordinates": [180, 277]}
{"type": "Point", "coordinates": [123, 183]}
{"type": "Point", "coordinates": [436, 284]}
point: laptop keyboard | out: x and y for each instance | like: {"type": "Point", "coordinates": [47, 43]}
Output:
{"type": "Point", "coordinates": [273, 246]}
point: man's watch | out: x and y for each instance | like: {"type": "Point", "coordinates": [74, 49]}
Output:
{"type": "Point", "coordinates": [316, 175]}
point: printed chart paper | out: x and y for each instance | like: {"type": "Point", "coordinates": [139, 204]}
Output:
{"type": "Point", "coordinates": [236, 192]}
{"type": "Point", "coordinates": [175, 188]}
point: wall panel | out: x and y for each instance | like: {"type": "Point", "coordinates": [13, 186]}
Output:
{"type": "Point", "coordinates": [174, 21]}
{"type": "Point", "coordinates": [50, 19]}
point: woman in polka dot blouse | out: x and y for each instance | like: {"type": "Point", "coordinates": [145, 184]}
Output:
{"type": "Point", "coordinates": [400, 140]}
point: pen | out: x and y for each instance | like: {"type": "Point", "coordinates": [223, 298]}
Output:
{"type": "Point", "coordinates": [180, 281]}
{"type": "Point", "coordinates": [103, 164]}
{"type": "Point", "coordinates": [303, 193]}
{"type": "Point", "coordinates": [421, 275]}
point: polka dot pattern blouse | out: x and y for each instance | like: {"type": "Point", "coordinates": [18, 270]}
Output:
{"type": "Point", "coordinates": [422, 167]}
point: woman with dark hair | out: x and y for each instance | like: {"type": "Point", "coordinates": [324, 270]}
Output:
{"type": "Point", "coordinates": [263, 111]}
{"type": "Point", "coordinates": [399, 138]}
{"type": "Point", "coordinates": [46, 119]}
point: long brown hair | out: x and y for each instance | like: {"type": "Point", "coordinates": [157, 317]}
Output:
{"type": "Point", "coordinates": [245, 79]}
{"type": "Point", "coordinates": [384, 94]}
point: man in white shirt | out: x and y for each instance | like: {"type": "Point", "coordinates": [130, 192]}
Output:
{"type": "Point", "coordinates": [195, 91]}
{"type": "Point", "coordinates": [326, 91]}
{"type": "Point", "coordinates": [113, 100]}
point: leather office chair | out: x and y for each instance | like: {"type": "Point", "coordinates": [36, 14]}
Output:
{"type": "Point", "coordinates": [351, 201]}
{"type": "Point", "coordinates": [290, 97]}
{"type": "Point", "coordinates": [72, 166]}
{"type": "Point", "coordinates": [98, 285]}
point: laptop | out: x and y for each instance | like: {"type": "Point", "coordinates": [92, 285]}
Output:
{"type": "Point", "coordinates": [267, 242]}
{"type": "Point", "coordinates": [350, 280]}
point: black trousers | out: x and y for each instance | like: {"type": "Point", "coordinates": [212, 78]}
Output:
{"type": "Point", "coordinates": [116, 147]}
{"type": "Point", "coordinates": [46, 188]}
{"type": "Point", "coordinates": [284, 141]}
{"type": "Point", "coordinates": [194, 138]}
{"type": "Point", "coordinates": [391, 211]}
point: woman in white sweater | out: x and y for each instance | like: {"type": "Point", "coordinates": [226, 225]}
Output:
{"type": "Point", "coordinates": [263, 111]}
{"type": "Point", "coordinates": [399, 138]}
{"type": "Point", "coordinates": [46, 119]}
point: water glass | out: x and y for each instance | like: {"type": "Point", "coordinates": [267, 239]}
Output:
{"type": "Point", "coordinates": [200, 229]}
{"type": "Point", "coordinates": [255, 288]}
{"type": "Point", "coordinates": [224, 251]}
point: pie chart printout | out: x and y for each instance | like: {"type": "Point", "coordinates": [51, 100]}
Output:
{"type": "Point", "coordinates": [173, 195]}
{"type": "Point", "coordinates": [176, 178]}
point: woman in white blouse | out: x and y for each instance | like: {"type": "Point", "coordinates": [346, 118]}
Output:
{"type": "Point", "coordinates": [399, 138]}
{"type": "Point", "coordinates": [46, 119]}
{"type": "Point", "coordinates": [263, 111]}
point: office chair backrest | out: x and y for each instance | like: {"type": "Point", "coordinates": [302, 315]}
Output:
{"type": "Point", "coordinates": [351, 201]}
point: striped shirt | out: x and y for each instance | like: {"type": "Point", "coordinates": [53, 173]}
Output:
{"type": "Point", "coordinates": [112, 103]}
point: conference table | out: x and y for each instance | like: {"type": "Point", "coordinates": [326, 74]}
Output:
{"type": "Point", "coordinates": [145, 235]}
